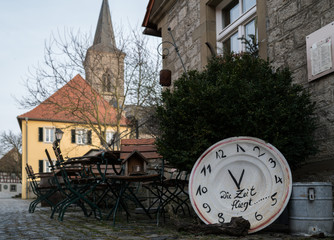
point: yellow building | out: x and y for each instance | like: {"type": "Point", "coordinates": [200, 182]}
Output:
{"type": "Point", "coordinates": [82, 130]}
{"type": "Point", "coordinates": [87, 111]}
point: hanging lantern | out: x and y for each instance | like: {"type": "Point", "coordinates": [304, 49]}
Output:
{"type": "Point", "coordinates": [165, 77]}
{"type": "Point", "coordinates": [59, 134]}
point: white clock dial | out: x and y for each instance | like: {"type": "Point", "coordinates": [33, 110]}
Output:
{"type": "Point", "coordinates": [241, 176]}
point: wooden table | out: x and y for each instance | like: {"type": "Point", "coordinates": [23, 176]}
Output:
{"type": "Point", "coordinates": [124, 185]}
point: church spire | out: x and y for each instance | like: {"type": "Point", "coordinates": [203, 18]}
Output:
{"type": "Point", "coordinates": [104, 34]}
{"type": "Point", "coordinates": [104, 63]}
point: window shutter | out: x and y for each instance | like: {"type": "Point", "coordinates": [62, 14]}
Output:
{"type": "Point", "coordinates": [89, 137]}
{"type": "Point", "coordinates": [73, 136]}
{"type": "Point", "coordinates": [41, 166]}
{"type": "Point", "coordinates": [40, 134]}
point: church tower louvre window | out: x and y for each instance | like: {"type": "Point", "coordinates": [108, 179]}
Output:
{"type": "Point", "coordinates": [106, 82]}
{"type": "Point", "coordinates": [104, 63]}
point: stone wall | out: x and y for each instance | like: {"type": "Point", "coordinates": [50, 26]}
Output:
{"type": "Point", "coordinates": [288, 24]}
{"type": "Point", "coordinates": [183, 19]}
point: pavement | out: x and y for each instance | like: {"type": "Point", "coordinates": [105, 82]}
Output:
{"type": "Point", "coordinates": [17, 223]}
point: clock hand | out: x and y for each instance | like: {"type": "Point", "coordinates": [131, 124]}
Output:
{"type": "Point", "coordinates": [240, 179]}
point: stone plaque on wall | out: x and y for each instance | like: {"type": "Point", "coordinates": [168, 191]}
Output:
{"type": "Point", "coordinates": [319, 49]}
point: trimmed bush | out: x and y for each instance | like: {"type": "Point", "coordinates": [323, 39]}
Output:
{"type": "Point", "coordinates": [236, 95]}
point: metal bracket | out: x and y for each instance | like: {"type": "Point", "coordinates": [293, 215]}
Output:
{"type": "Point", "coordinates": [165, 51]}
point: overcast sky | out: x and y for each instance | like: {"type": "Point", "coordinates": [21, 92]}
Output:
{"type": "Point", "coordinates": [26, 24]}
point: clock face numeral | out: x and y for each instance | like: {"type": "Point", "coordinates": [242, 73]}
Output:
{"type": "Point", "coordinates": [274, 199]}
{"type": "Point", "coordinates": [220, 154]}
{"type": "Point", "coordinates": [234, 180]}
{"type": "Point", "coordinates": [201, 190]}
{"type": "Point", "coordinates": [273, 162]}
{"type": "Point", "coordinates": [258, 216]}
{"type": "Point", "coordinates": [278, 179]}
{"type": "Point", "coordinates": [203, 171]}
{"type": "Point", "coordinates": [239, 148]}
{"type": "Point", "coordinates": [258, 151]}
{"type": "Point", "coordinates": [207, 207]}
{"type": "Point", "coordinates": [221, 218]}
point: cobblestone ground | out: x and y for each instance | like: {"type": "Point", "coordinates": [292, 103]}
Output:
{"type": "Point", "coordinates": [17, 223]}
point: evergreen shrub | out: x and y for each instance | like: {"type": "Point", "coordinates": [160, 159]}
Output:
{"type": "Point", "coordinates": [236, 95]}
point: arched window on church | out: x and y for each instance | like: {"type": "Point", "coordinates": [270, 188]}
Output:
{"type": "Point", "coordinates": [106, 82]}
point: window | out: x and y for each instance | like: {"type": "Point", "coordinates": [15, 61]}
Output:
{"type": "Point", "coordinates": [106, 82]}
{"type": "Point", "coordinates": [250, 29]}
{"type": "Point", "coordinates": [46, 134]}
{"type": "Point", "coordinates": [235, 19]}
{"type": "Point", "coordinates": [232, 43]}
{"type": "Point", "coordinates": [13, 188]}
{"type": "Point", "coordinates": [47, 165]}
{"type": "Point", "coordinates": [231, 13]}
{"type": "Point", "coordinates": [248, 4]}
{"type": "Point", "coordinates": [109, 136]}
{"type": "Point", "coordinates": [49, 134]}
{"type": "Point", "coordinates": [44, 166]}
{"type": "Point", "coordinates": [81, 136]}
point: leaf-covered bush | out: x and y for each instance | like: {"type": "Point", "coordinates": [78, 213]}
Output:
{"type": "Point", "coordinates": [236, 95]}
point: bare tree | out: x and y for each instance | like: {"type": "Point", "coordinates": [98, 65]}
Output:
{"type": "Point", "coordinates": [10, 152]}
{"type": "Point", "coordinates": [142, 90]}
{"type": "Point", "coordinates": [134, 76]}
{"type": "Point", "coordinates": [64, 54]}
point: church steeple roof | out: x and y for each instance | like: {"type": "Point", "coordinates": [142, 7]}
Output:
{"type": "Point", "coordinates": [104, 39]}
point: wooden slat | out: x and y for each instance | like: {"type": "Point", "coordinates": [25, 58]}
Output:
{"type": "Point", "coordinates": [110, 170]}
{"type": "Point", "coordinates": [140, 178]}
{"type": "Point", "coordinates": [139, 148]}
{"type": "Point", "coordinates": [147, 155]}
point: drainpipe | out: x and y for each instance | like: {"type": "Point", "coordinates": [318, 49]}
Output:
{"type": "Point", "coordinates": [23, 167]}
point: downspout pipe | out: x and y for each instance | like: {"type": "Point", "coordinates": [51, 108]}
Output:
{"type": "Point", "coordinates": [23, 167]}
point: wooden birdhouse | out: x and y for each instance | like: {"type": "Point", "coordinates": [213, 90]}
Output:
{"type": "Point", "coordinates": [135, 164]}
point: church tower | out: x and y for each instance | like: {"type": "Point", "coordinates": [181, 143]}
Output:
{"type": "Point", "coordinates": [104, 63]}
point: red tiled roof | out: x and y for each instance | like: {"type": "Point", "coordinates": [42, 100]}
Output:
{"type": "Point", "coordinates": [141, 141]}
{"type": "Point", "coordinates": [75, 102]}
{"type": "Point", "coordinates": [145, 146]}
{"type": "Point", "coordinates": [8, 163]}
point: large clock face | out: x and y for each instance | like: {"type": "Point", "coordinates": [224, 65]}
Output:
{"type": "Point", "coordinates": [241, 176]}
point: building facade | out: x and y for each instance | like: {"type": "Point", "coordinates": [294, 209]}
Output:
{"type": "Point", "coordinates": [10, 174]}
{"type": "Point", "coordinates": [194, 25]}
{"type": "Point", "coordinates": [296, 34]}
